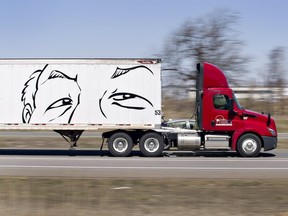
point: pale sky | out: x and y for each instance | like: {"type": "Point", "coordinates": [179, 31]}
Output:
{"type": "Point", "coordinates": [129, 28]}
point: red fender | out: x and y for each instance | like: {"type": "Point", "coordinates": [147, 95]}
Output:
{"type": "Point", "coordinates": [235, 137]}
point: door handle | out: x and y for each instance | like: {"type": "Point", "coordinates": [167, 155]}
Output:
{"type": "Point", "coordinates": [213, 123]}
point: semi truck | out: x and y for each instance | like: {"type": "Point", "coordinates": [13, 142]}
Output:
{"type": "Point", "coordinates": [122, 99]}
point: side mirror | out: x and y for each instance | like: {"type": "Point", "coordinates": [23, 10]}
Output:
{"type": "Point", "coordinates": [230, 104]}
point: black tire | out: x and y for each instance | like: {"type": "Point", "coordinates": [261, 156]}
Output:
{"type": "Point", "coordinates": [120, 144]}
{"type": "Point", "coordinates": [249, 145]}
{"type": "Point", "coordinates": [151, 145]}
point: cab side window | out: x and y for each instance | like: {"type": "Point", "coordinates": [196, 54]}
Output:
{"type": "Point", "coordinates": [221, 102]}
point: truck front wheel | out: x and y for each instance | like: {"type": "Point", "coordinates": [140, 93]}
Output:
{"type": "Point", "coordinates": [120, 144]}
{"type": "Point", "coordinates": [249, 145]}
{"type": "Point", "coordinates": [151, 145]}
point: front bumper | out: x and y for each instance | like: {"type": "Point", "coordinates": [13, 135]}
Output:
{"type": "Point", "coordinates": [269, 143]}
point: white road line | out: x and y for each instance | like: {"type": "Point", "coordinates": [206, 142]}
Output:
{"type": "Point", "coordinates": [80, 158]}
{"type": "Point", "coordinates": [148, 168]}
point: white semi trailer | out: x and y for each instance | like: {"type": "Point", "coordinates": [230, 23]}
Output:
{"type": "Point", "coordinates": [73, 95]}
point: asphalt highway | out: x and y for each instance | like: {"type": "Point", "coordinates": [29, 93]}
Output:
{"type": "Point", "coordinates": [91, 164]}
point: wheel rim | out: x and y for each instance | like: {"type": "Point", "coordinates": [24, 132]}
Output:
{"type": "Point", "coordinates": [249, 146]}
{"type": "Point", "coordinates": [120, 144]}
{"type": "Point", "coordinates": [151, 145]}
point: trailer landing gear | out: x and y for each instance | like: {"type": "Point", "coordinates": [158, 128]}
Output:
{"type": "Point", "coordinates": [71, 136]}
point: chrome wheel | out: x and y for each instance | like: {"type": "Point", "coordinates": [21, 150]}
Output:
{"type": "Point", "coordinates": [249, 145]}
{"type": "Point", "coordinates": [151, 145]}
{"type": "Point", "coordinates": [120, 144]}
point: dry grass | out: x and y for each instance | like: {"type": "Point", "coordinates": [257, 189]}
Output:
{"type": "Point", "coordinates": [47, 142]}
{"type": "Point", "coordinates": [43, 197]}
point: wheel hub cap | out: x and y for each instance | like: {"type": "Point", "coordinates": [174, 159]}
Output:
{"type": "Point", "coordinates": [249, 145]}
{"type": "Point", "coordinates": [120, 145]}
{"type": "Point", "coordinates": [151, 145]}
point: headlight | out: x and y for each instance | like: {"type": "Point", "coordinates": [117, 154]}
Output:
{"type": "Point", "coordinates": [273, 133]}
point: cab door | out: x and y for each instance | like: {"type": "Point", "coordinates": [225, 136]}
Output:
{"type": "Point", "coordinates": [221, 116]}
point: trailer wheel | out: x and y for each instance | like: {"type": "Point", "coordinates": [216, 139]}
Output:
{"type": "Point", "coordinates": [249, 145]}
{"type": "Point", "coordinates": [151, 145]}
{"type": "Point", "coordinates": [120, 144]}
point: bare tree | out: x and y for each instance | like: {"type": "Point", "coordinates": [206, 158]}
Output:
{"type": "Point", "coordinates": [275, 78]}
{"type": "Point", "coordinates": [211, 38]}
{"type": "Point", "coordinates": [276, 68]}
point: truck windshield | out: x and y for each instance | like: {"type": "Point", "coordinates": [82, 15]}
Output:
{"type": "Point", "coordinates": [237, 102]}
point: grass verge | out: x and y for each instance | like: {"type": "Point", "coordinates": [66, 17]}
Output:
{"type": "Point", "coordinates": [46, 196]}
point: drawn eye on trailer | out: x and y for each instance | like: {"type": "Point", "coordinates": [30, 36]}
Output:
{"type": "Point", "coordinates": [43, 106]}
{"type": "Point", "coordinates": [126, 99]}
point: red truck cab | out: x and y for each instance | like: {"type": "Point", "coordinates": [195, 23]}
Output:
{"type": "Point", "coordinates": [219, 113]}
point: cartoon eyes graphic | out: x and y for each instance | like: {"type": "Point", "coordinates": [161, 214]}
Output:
{"type": "Point", "coordinates": [121, 98]}
{"type": "Point", "coordinates": [125, 100]}
{"type": "Point", "coordinates": [61, 106]}
{"type": "Point", "coordinates": [60, 103]}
